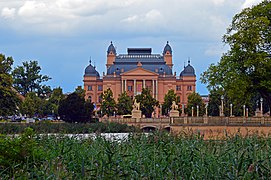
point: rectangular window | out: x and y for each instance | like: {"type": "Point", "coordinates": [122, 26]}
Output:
{"type": "Point", "coordinates": [189, 88]}
{"type": "Point", "coordinates": [100, 88]}
{"type": "Point", "coordinates": [178, 88]}
{"type": "Point", "coordinates": [89, 88]}
{"type": "Point", "coordinates": [130, 88]}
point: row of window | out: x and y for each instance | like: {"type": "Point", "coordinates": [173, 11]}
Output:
{"type": "Point", "coordinates": [90, 88]}
{"type": "Point", "coordinates": [189, 88]}
{"type": "Point", "coordinates": [130, 88]}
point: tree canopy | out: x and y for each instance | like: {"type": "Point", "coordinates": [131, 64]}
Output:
{"type": "Point", "coordinates": [147, 102]}
{"type": "Point", "coordinates": [168, 99]}
{"type": "Point", "coordinates": [195, 100]}
{"type": "Point", "coordinates": [108, 105]}
{"type": "Point", "coordinates": [245, 70]}
{"type": "Point", "coordinates": [27, 78]}
{"type": "Point", "coordinates": [74, 108]}
{"type": "Point", "coordinates": [125, 104]}
{"type": "Point", "coordinates": [9, 100]}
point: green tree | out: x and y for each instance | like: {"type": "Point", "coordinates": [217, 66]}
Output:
{"type": "Point", "coordinates": [56, 97]}
{"type": "Point", "coordinates": [168, 99]}
{"type": "Point", "coordinates": [125, 104]}
{"type": "Point", "coordinates": [74, 108]}
{"type": "Point", "coordinates": [245, 70]}
{"type": "Point", "coordinates": [147, 102]}
{"type": "Point", "coordinates": [8, 98]}
{"type": "Point", "coordinates": [108, 105]}
{"type": "Point", "coordinates": [32, 105]}
{"type": "Point", "coordinates": [195, 100]}
{"type": "Point", "coordinates": [27, 78]}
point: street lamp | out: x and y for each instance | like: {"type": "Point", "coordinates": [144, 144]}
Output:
{"type": "Point", "coordinates": [231, 110]}
{"type": "Point", "coordinates": [222, 105]}
{"type": "Point", "coordinates": [261, 100]}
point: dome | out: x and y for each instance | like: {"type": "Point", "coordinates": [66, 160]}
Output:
{"type": "Point", "coordinates": [91, 71]}
{"type": "Point", "coordinates": [188, 70]}
{"type": "Point", "coordinates": [111, 48]}
{"type": "Point", "coordinates": [167, 48]}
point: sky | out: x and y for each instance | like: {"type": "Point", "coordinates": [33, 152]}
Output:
{"type": "Point", "coordinates": [63, 35]}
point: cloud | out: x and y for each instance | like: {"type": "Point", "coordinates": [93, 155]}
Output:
{"type": "Point", "coordinates": [8, 13]}
{"type": "Point", "coordinates": [215, 50]}
{"type": "Point", "coordinates": [218, 2]}
{"type": "Point", "coordinates": [178, 18]}
{"type": "Point", "coordinates": [249, 3]}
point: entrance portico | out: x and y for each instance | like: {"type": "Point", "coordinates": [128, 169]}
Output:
{"type": "Point", "coordinates": [135, 80]}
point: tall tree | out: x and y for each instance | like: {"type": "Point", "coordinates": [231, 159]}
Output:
{"type": "Point", "coordinates": [27, 78]}
{"type": "Point", "coordinates": [125, 104]}
{"type": "Point", "coordinates": [147, 102]}
{"type": "Point", "coordinates": [168, 99]}
{"type": "Point", "coordinates": [74, 108]}
{"type": "Point", "coordinates": [245, 69]}
{"type": "Point", "coordinates": [32, 105]}
{"type": "Point", "coordinates": [108, 105]}
{"type": "Point", "coordinates": [56, 97]}
{"type": "Point", "coordinates": [8, 98]}
{"type": "Point", "coordinates": [195, 100]}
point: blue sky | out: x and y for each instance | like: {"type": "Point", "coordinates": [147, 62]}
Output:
{"type": "Point", "coordinates": [62, 34]}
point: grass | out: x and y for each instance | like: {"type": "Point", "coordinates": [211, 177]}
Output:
{"type": "Point", "coordinates": [140, 156]}
{"type": "Point", "coordinates": [67, 128]}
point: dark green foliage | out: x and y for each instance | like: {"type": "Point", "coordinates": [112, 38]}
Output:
{"type": "Point", "coordinates": [245, 70]}
{"type": "Point", "coordinates": [55, 99]}
{"type": "Point", "coordinates": [27, 78]}
{"type": "Point", "coordinates": [124, 105]}
{"type": "Point", "coordinates": [8, 98]}
{"type": "Point", "coordinates": [70, 128]}
{"type": "Point", "coordinates": [108, 105]}
{"type": "Point", "coordinates": [147, 102]}
{"type": "Point", "coordinates": [140, 156]}
{"type": "Point", "coordinates": [195, 100]}
{"type": "Point", "coordinates": [74, 108]}
{"type": "Point", "coordinates": [16, 151]}
{"type": "Point", "coordinates": [168, 99]}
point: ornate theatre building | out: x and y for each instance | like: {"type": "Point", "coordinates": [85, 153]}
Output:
{"type": "Point", "coordinates": [138, 69]}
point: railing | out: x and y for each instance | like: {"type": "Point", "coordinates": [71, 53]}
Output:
{"type": "Point", "coordinates": [222, 121]}
{"type": "Point", "coordinates": [140, 120]}
{"type": "Point", "coordinates": [201, 121]}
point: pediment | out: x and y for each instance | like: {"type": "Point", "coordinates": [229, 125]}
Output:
{"type": "Point", "coordinates": [139, 72]}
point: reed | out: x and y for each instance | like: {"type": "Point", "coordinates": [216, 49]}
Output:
{"type": "Point", "coordinates": [139, 156]}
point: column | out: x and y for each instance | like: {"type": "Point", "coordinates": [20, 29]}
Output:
{"type": "Point", "coordinates": [156, 91]}
{"type": "Point", "coordinates": [121, 86]}
{"type": "Point", "coordinates": [144, 84]}
{"type": "Point", "coordinates": [125, 85]}
{"type": "Point", "coordinates": [153, 88]}
{"type": "Point", "coordinates": [134, 87]}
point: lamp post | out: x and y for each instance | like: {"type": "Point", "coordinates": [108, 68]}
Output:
{"type": "Point", "coordinates": [231, 110]}
{"type": "Point", "coordinates": [261, 100]}
{"type": "Point", "coordinates": [222, 105]}
{"type": "Point", "coordinates": [197, 110]}
{"type": "Point", "coordinates": [206, 110]}
{"type": "Point", "coordinates": [192, 111]}
{"type": "Point", "coordinates": [244, 110]}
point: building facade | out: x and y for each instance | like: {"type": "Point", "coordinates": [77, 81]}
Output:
{"type": "Point", "coordinates": [139, 69]}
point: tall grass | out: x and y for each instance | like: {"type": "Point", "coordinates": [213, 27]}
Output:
{"type": "Point", "coordinates": [139, 156]}
{"type": "Point", "coordinates": [73, 128]}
